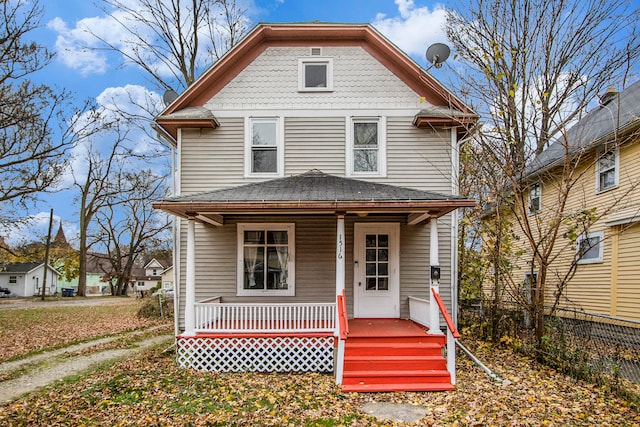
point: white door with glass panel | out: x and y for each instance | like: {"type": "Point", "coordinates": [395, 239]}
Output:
{"type": "Point", "coordinates": [376, 270]}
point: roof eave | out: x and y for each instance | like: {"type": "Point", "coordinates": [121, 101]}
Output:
{"type": "Point", "coordinates": [435, 207]}
{"type": "Point", "coordinates": [171, 125]}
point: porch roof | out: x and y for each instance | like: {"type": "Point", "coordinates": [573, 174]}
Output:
{"type": "Point", "coordinates": [313, 192]}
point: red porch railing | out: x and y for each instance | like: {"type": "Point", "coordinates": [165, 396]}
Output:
{"type": "Point", "coordinates": [445, 314]}
{"type": "Point", "coordinates": [342, 315]}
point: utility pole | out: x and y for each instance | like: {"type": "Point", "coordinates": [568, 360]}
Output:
{"type": "Point", "coordinates": [46, 257]}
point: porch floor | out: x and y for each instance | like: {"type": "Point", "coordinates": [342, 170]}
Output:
{"type": "Point", "coordinates": [384, 328]}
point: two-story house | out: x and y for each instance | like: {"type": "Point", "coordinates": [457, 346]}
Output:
{"type": "Point", "coordinates": [605, 191]}
{"type": "Point", "coordinates": [149, 276]}
{"type": "Point", "coordinates": [316, 200]}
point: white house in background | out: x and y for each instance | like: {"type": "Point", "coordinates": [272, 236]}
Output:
{"type": "Point", "coordinates": [25, 279]}
{"type": "Point", "coordinates": [316, 210]}
{"type": "Point", "coordinates": [149, 276]}
{"type": "Point", "coordinates": [167, 278]}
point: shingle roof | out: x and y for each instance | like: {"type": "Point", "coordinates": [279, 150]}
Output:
{"type": "Point", "coordinates": [619, 113]}
{"type": "Point", "coordinates": [315, 186]}
{"type": "Point", "coordinates": [20, 267]}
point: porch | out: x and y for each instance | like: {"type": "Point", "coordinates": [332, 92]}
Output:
{"type": "Point", "coordinates": [364, 354]}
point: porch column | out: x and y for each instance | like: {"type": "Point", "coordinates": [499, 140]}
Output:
{"type": "Point", "coordinates": [434, 314]}
{"type": "Point", "coordinates": [340, 248]}
{"type": "Point", "coordinates": [190, 297]}
{"type": "Point", "coordinates": [340, 242]}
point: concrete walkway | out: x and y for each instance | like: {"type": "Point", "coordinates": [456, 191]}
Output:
{"type": "Point", "coordinates": [54, 365]}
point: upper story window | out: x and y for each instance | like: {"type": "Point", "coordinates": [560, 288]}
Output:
{"type": "Point", "coordinates": [590, 247]}
{"type": "Point", "coordinates": [315, 74]}
{"type": "Point", "coordinates": [264, 152]}
{"type": "Point", "coordinates": [266, 262]}
{"type": "Point", "coordinates": [535, 198]}
{"type": "Point", "coordinates": [607, 171]}
{"type": "Point", "coordinates": [366, 147]}
{"type": "Point", "coordinates": [13, 280]}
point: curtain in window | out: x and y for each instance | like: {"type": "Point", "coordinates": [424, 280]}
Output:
{"type": "Point", "coordinates": [281, 239]}
{"type": "Point", "coordinates": [250, 262]}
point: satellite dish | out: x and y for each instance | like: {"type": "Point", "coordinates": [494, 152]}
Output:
{"type": "Point", "coordinates": [169, 96]}
{"type": "Point", "coordinates": [437, 53]}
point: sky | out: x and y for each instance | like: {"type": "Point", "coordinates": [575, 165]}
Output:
{"type": "Point", "coordinates": [94, 74]}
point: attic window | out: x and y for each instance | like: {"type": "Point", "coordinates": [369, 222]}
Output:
{"type": "Point", "coordinates": [316, 51]}
{"type": "Point", "coordinates": [315, 74]}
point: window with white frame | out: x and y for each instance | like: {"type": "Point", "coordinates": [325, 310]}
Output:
{"type": "Point", "coordinates": [590, 247]}
{"type": "Point", "coordinates": [264, 156]}
{"type": "Point", "coordinates": [13, 280]}
{"type": "Point", "coordinates": [535, 198]}
{"type": "Point", "coordinates": [366, 145]}
{"type": "Point", "coordinates": [315, 74]}
{"type": "Point", "coordinates": [266, 263]}
{"type": "Point", "coordinates": [607, 170]}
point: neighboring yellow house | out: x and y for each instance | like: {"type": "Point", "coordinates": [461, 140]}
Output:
{"type": "Point", "coordinates": [606, 191]}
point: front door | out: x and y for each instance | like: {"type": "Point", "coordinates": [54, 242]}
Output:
{"type": "Point", "coordinates": [376, 270]}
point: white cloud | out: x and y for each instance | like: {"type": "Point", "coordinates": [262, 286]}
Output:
{"type": "Point", "coordinates": [415, 29]}
{"type": "Point", "coordinates": [75, 48]}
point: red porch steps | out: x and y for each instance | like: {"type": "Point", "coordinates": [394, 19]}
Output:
{"type": "Point", "coordinates": [393, 355]}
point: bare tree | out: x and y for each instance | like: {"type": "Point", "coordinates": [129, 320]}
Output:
{"type": "Point", "coordinates": [129, 225]}
{"type": "Point", "coordinates": [531, 69]}
{"type": "Point", "coordinates": [96, 189]}
{"type": "Point", "coordinates": [173, 41]}
{"type": "Point", "coordinates": [34, 120]}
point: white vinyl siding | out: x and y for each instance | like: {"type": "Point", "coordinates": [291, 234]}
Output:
{"type": "Point", "coordinates": [418, 158]}
{"type": "Point", "coordinates": [212, 159]}
{"type": "Point", "coordinates": [314, 143]}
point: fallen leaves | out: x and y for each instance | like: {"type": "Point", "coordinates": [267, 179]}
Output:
{"type": "Point", "coordinates": [150, 390]}
{"type": "Point", "coordinates": [24, 331]}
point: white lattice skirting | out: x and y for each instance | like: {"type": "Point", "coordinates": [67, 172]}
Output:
{"type": "Point", "coordinates": [272, 354]}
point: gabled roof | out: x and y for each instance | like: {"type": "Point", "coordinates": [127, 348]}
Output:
{"type": "Point", "coordinates": [615, 118]}
{"type": "Point", "coordinates": [312, 192]}
{"type": "Point", "coordinates": [186, 111]}
{"type": "Point", "coordinates": [22, 267]}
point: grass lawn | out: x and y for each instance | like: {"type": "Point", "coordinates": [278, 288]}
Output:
{"type": "Point", "coordinates": [28, 330]}
{"type": "Point", "coordinates": [150, 390]}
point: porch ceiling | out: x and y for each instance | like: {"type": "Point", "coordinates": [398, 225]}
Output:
{"type": "Point", "coordinates": [313, 192]}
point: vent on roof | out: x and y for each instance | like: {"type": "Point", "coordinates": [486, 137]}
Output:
{"type": "Point", "coordinates": [608, 96]}
{"type": "Point", "coordinates": [316, 51]}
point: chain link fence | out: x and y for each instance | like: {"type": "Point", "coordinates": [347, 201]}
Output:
{"type": "Point", "coordinates": [592, 342]}
{"type": "Point", "coordinates": [587, 346]}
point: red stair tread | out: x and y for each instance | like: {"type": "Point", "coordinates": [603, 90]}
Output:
{"type": "Point", "coordinates": [397, 387]}
{"type": "Point", "coordinates": [404, 373]}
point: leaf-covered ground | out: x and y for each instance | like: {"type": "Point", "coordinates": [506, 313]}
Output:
{"type": "Point", "coordinates": [25, 330]}
{"type": "Point", "coordinates": [150, 390]}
